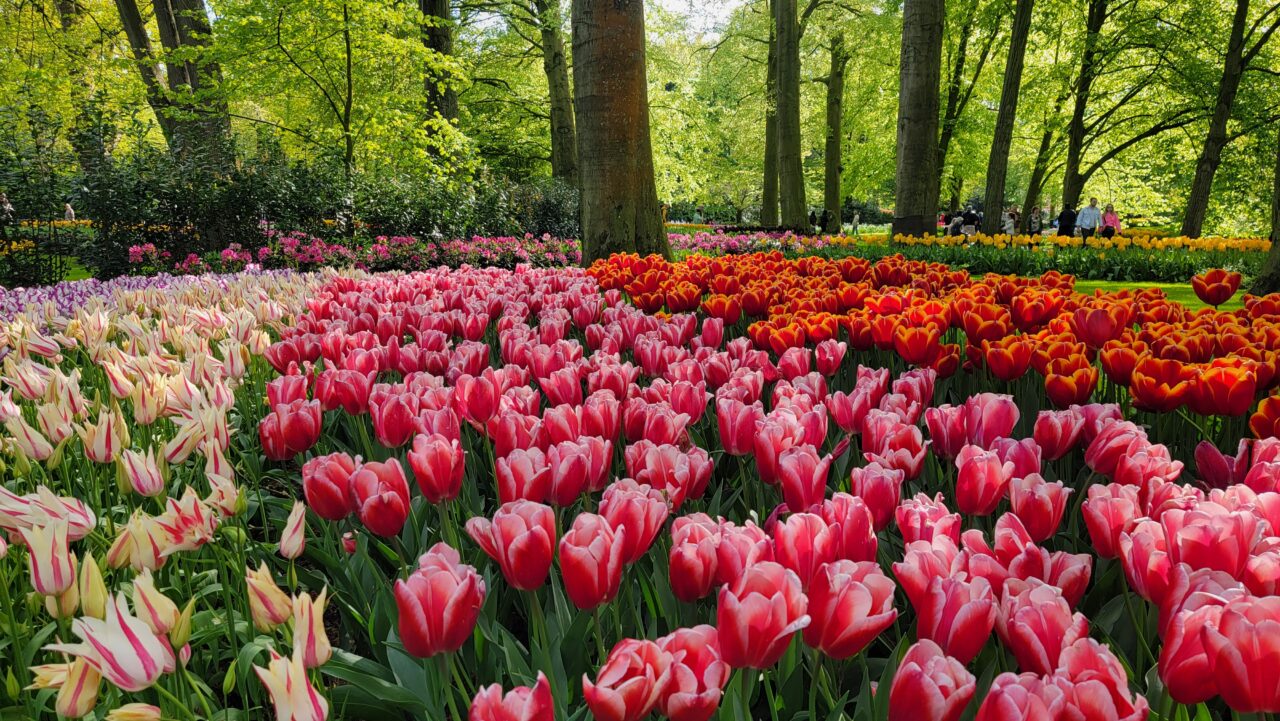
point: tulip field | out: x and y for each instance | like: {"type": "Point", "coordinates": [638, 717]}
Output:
{"type": "Point", "coordinates": [733, 487]}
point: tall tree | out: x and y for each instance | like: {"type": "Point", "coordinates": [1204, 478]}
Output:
{"type": "Point", "coordinates": [1268, 279]}
{"type": "Point", "coordinates": [1090, 62]}
{"type": "Point", "coordinates": [835, 125]}
{"type": "Point", "coordinates": [960, 86]}
{"type": "Point", "coordinates": [564, 140]}
{"type": "Point", "coordinates": [1243, 45]}
{"type": "Point", "coordinates": [920, 67]}
{"type": "Point", "coordinates": [791, 193]}
{"type": "Point", "coordinates": [437, 37]}
{"type": "Point", "coordinates": [620, 211]}
{"type": "Point", "coordinates": [998, 162]}
{"type": "Point", "coordinates": [769, 194]}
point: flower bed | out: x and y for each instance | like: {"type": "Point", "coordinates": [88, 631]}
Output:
{"type": "Point", "coordinates": [751, 484]}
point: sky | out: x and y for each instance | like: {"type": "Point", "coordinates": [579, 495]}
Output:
{"type": "Point", "coordinates": [705, 16]}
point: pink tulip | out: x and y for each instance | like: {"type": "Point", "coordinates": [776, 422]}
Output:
{"type": "Point", "coordinates": [120, 647]}
{"type": "Point", "coordinates": [521, 538]}
{"type": "Point", "coordinates": [930, 686]}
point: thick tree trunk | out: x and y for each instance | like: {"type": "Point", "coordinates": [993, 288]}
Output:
{"type": "Point", "coordinates": [437, 36]}
{"type": "Point", "coordinates": [998, 162]}
{"type": "Point", "coordinates": [1072, 180]}
{"type": "Point", "coordinates": [791, 196]}
{"type": "Point", "coordinates": [1268, 280]}
{"type": "Point", "coordinates": [149, 70]}
{"type": "Point", "coordinates": [564, 142]}
{"type": "Point", "coordinates": [769, 195]}
{"type": "Point", "coordinates": [620, 211]}
{"type": "Point", "coordinates": [1216, 140]}
{"type": "Point", "coordinates": [951, 110]}
{"type": "Point", "coordinates": [835, 123]}
{"type": "Point", "coordinates": [193, 83]}
{"type": "Point", "coordinates": [916, 204]}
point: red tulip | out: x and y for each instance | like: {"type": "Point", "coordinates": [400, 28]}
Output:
{"type": "Point", "coordinates": [1058, 432]}
{"type": "Point", "coordinates": [758, 614]}
{"type": "Point", "coordinates": [681, 474]}
{"type": "Point", "coordinates": [1211, 537]}
{"type": "Point", "coordinates": [591, 561]}
{"type": "Point", "coordinates": [476, 397]}
{"type": "Point", "coordinates": [922, 561]}
{"type": "Point", "coordinates": [437, 464]}
{"type": "Point", "coordinates": [803, 476]}
{"type": "Point", "coordinates": [849, 605]}
{"type": "Point", "coordinates": [394, 418]}
{"type": "Point", "coordinates": [989, 416]}
{"type": "Point", "coordinates": [692, 561]}
{"type": "Point", "coordinates": [1035, 622]}
{"type": "Point", "coordinates": [520, 704]}
{"type": "Point", "coordinates": [903, 449]}
{"type": "Point", "coordinates": [1095, 685]}
{"type": "Point", "coordinates": [830, 354]}
{"type": "Point", "coordinates": [640, 509]}
{"type": "Point", "coordinates": [848, 409]}
{"type": "Point", "coordinates": [627, 686]}
{"type": "Point", "coordinates": [947, 431]}
{"type": "Point", "coordinates": [326, 484]}
{"type": "Point", "coordinates": [697, 676]}
{"type": "Point", "coordinates": [380, 494]}
{"type": "Point", "coordinates": [922, 519]}
{"type": "Point", "coordinates": [601, 415]}
{"type": "Point", "coordinates": [1107, 512]}
{"type": "Point", "coordinates": [1218, 470]}
{"type": "Point", "coordinates": [880, 488]}
{"type": "Point", "coordinates": [523, 475]}
{"type": "Point", "coordinates": [958, 615]}
{"type": "Point", "coordinates": [290, 429]}
{"type": "Point", "coordinates": [737, 423]}
{"type": "Point", "coordinates": [1215, 287]}
{"type": "Point", "coordinates": [930, 686]}
{"type": "Point", "coordinates": [439, 603]}
{"type": "Point", "coordinates": [742, 547]}
{"type": "Point", "coordinates": [981, 481]}
{"type": "Point", "coordinates": [284, 390]}
{"type": "Point", "coordinates": [1184, 659]}
{"type": "Point", "coordinates": [1242, 647]}
{"type": "Point", "coordinates": [772, 436]}
{"type": "Point", "coordinates": [850, 521]}
{"type": "Point", "coordinates": [1025, 697]}
{"type": "Point", "coordinates": [804, 543]}
{"type": "Point", "coordinates": [1114, 440]}
{"type": "Point", "coordinates": [1039, 504]}
{"type": "Point", "coordinates": [345, 389]}
{"type": "Point", "coordinates": [521, 538]}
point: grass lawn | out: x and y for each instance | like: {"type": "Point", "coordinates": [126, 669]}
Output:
{"type": "Point", "coordinates": [1180, 292]}
{"type": "Point", "coordinates": [75, 271]}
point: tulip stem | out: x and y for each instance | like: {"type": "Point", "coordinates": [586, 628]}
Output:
{"type": "Point", "coordinates": [770, 695]}
{"type": "Point", "coordinates": [204, 703]}
{"type": "Point", "coordinates": [174, 700]}
{"type": "Point", "coordinates": [600, 652]}
{"type": "Point", "coordinates": [746, 687]}
{"type": "Point", "coordinates": [815, 675]}
{"type": "Point", "coordinates": [446, 684]}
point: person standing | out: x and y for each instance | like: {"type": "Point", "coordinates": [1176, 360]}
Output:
{"type": "Point", "coordinates": [857, 218]}
{"type": "Point", "coordinates": [68, 213]}
{"type": "Point", "coordinates": [1090, 219]}
{"type": "Point", "coordinates": [1067, 221]}
{"type": "Point", "coordinates": [1110, 222]}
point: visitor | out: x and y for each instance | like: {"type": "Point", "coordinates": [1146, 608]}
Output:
{"type": "Point", "coordinates": [956, 226]}
{"type": "Point", "coordinates": [1011, 220]}
{"type": "Point", "coordinates": [1110, 222]}
{"type": "Point", "coordinates": [813, 220]}
{"type": "Point", "coordinates": [1089, 219]}
{"type": "Point", "coordinates": [68, 213]}
{"type": "Point", "coordinates": [857, 218]}
{"type": "Point", "coordinates": [823, 220]}
{"type": "Point", "coordinates": [971, 220]}
{"type": "Point", "coordinates": [1067, 221]}
{"type": "Point", "coordinates": [6, 216]}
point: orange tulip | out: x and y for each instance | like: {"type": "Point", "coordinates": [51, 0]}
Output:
{"type": "Point", "coordinates": [1008, 358]}
{"type": "Point", "coordinates": [917, 345]}
{"type": "Point", "coordinates": [1265, 422]}
{"type": "Point", "coordinates": [724, 307]}
{"type": "Point", "coordinates": [1160, 385]}
{"type": "Point", "coordinates": [1119, 358]}
{"type": "Point", "coordinates": [1070, 381]}
{"type": "Point", "coordinates": [1098, 324]}
{"type": "Point", "coordinates": [1223, 390]}
{"type": "Point", "coordinates": [1216, 286]}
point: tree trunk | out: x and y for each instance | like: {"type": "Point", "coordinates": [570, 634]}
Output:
{"type": "Point", "coordinates": [564, 142]}
{"type": "Point", "coordinates": [437, 36]}
{"type": "Point", "coordinates": [769, 196]}
{"type": "Point", "coordinates": [916, 204]}
{"type": "Point", "coordinates": [835, 125]}
{"type": "Point", "coordinates": [148, 66]}
{"type": "Point", "coordinates": [951, 111]}
{"type": "Point", "coordinates": [998, 162]}
{"type": "Point", "coordinates": [1072, 181]}
{"type": "Point", "coordinates": [620, 211]}
{"type": "Point", "coordinates": [1216, 140]}
{"type": "Point", "coordinates": [1268, 280]}
{"type": "Point", "coordinates": [204, 134]}
{"type": "Point", "coordinates": [795, 210]}
{"type": "Point", "coordinates": [1036, 183]}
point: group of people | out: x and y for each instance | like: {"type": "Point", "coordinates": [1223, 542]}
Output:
{"type": "Point", "coordinates": [1090, 221]}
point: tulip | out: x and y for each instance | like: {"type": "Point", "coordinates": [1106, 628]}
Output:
{"type": "Point", "coordinates": [591, 561]}
{"type": "Point", "coordinates": [1025, 697]}
{"type": "Point", "coordinates": [697, 675]}
{"type": "Point", "coordinates": [1211, 537]}
{"type": "Point", "coordinates": [849, 605]}
{"type": "Point", "coordinates": [326, 483]}
{"type": "Point", "coordinates": [380, 494]}
{"type": "Point", "coordinates": [523, 475]}
{"type": "Point", "coordinates": [902, 449]}
{"type": "Point", "coordinates": [930, 686]}
{"type": "Point", "coordinates": [292, 694]}
{"type": "Point", "coordinates": [439, 603]}
{"type": "Point", "coordinates": [290, 429]}
{"type": "Point", "coordinates": [437, 464]}
{"type": "Point", "coordinates": [476, 397]}
{"type": "Point", "coordinates": [142, 472]}
{"type": "Point", "coordinates": [681, 473]}
{"type": "Point", "coordinates": [93, 589]}
{"type": "Point", "coordinates": [286, 389]}
{"type": "Point", "coordinates": [521, 538]}
{"type": "Point", "coordinates": [922, 561]}
{"type": "Point", "coordinates": [743, 546]}
{"type": "Point", "coordinates": [692, 561]}
{"type": "Point", "coordinates": [310, 640]}
{"type": "Point", "coordinates": [394, 418]}
{"type": "Point", "coordinates": [293, 539]}
{"type": "Point", "coordinates": [570, 471]}
{"type": "Point", "coordinates": [49, 558]}
{"type": "Point", "coordinates": [1039, 504]}
{"type": "Point", "coordinates": [947, 430]}
{"type": "Point", "coordinates": [28, 440]}
{"type": "Point", "coordinates": [102, 440]}
{"type": "Point", "coordinates": [1223, 391]}
{"type": "Point", "coordinates": [268, 605]}
{"type": "Point", "coordinates": [345, 389]}
{"type": "Point", "coordinates": [758, 614]}
{"type": "Point", "coordinates": [627, 687]}
{"type": "Point", "coordinates": [1184, 659]}
{"type": "Point", "coordinates": [981, 481]}
{"type": "Point", "coordinates": [803, 476]}
{"type": "Point", "coordinates": [1114, 440]}
{"type": "Point", "coordinates": [519, 704]}
{"type": "Point", "coordinates": [134, 712]}
{"type": "Point", "coordinates": [140, 544]}
{"type": "Point", "coordinates": [880, 488]}
{"type": "Point", "coordinates": [958, 615]}
{"type": "Point", "coordinates": [639, 509]}
{"type": "Point", "coordinates": [1035, 622]}
{"type": "Point", "coordinates": [922, 519]}
{"type": "Point", "coordinates": [1093, 682]}
{"type": "Point", "coordinates": [1107, 512]}
{"type": "Point", "coordinates": [1215, 287]}
{"type": "Point", "coordinates": [121, 648]}
{"type": "Point", "coordinates": [78, 694]}
{"type": "Point", "coordinates": [989, 416]}
{"type": "Point", "coordinates": [850, 522]}
{"type": "Point", "coordinates": [1218, 470]}
{"type": "Point", "coordinates": [804, 543]}
{"type": "Point", "coordinates": [153, 607]}
{"type": "Point", "coordinates": [1058, 432]}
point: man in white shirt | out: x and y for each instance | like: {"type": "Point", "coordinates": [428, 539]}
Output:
{"type": "Point", "coordinates": [1089, 219]}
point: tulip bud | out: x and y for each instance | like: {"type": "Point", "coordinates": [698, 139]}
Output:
{"type": "Point", "coordinates": [65, 604]}
{"type": "Point", "coordinates": [93, 589]}
{"type": "Point", "coordinates": [294, 538]}
{"type": "Point", "coordinates": [134, 712]}
{"type": "Point", "coordinates": [11, 686]}
{"type": "Point", "coordinates": [181, 631]}
{"type": "Point", "coordinates": [269, 605]}
{"type": "Point", "coordinates": [153, 607]}
{"type": "Point", "coordinates": [79, 693]}
{"type": "Point", "coordinates": [310, 642]}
